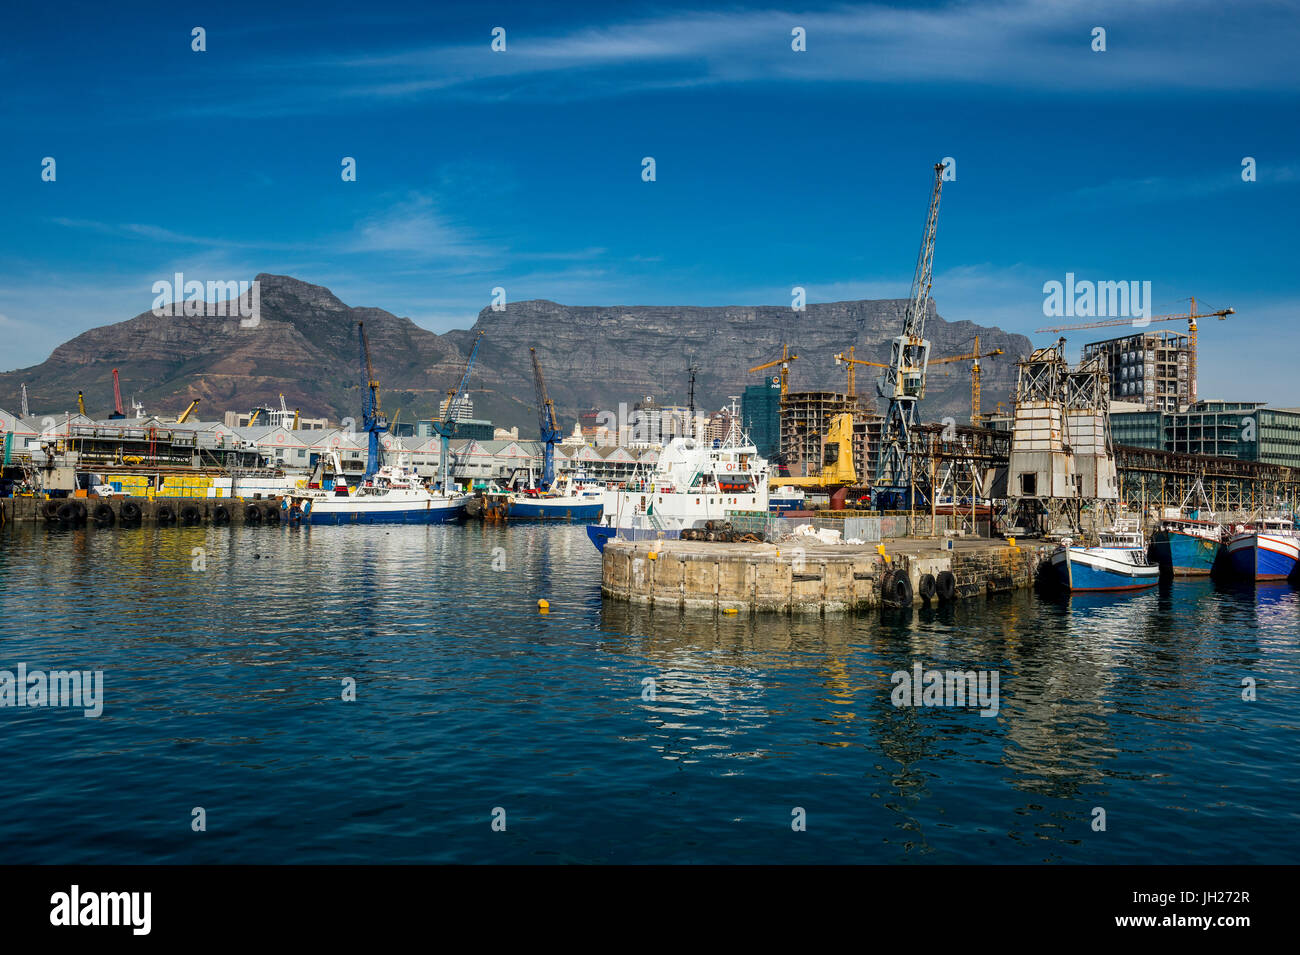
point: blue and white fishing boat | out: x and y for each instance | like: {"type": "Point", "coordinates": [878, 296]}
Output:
{"type": "Point", "coordinates": [568, 500]}
{"type": "Point", "coordinates": [1118, 562]}
{"type": "Point", "coordinates": [1267, 551]}
{"type": "Point", "coordinates": [1187, 542]}
{"type": "Point", "coordinates": [787, 498]}
{"type": "Point", "coordinates": [393, 496]}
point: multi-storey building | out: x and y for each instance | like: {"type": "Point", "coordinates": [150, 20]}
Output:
{"type": "Point", "coordinates": [760, 412]}
{"type": "Point", "coordinates": [1149, 368]}
{"type": "Point", "coordinates": [1247, 430]}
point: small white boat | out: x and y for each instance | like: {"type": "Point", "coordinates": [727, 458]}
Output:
{"type": "Point", "coordinates": [1118, 562]}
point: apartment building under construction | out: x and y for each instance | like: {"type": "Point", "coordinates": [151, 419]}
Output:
{"type": "Point", "coordinates": [1150, 368]}
{"type": "Point", "coordinates": [805, 420]}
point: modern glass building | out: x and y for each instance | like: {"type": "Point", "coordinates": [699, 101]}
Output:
{"type": "Point", "coordinates": [1246, 430]}
{"type": "Point", "coordinates": [760, 413]}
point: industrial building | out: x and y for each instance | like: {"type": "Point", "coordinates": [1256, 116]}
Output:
{"type": "Point", "coordinates": [151, 446]}
{"type": "Point", "coordinates": [241, 419]}
{"type": "Point", "coordinates": [1152, 369]}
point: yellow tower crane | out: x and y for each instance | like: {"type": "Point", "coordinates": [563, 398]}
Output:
{"type": "Point", "coordinates": [1190, 318]}
{"type": "Point", "coordinates": [783, 361]}
{"type": "Point", "coordinates": [842, 359]}
{"type": "Point", "coordinates": [973, 356]}
{"type": "Point", "coordinates": [81, 402]}
{"type": "Point", "coordinates": [185, 415]}
{"type": "Point", "coordinates": [838, 469]}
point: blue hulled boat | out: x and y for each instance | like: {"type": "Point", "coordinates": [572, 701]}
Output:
{"type": "Point", "coordinates": [1118, 562]}
{"type": "Point", "coordinates": [1268, 551]}
{"type": "Point", "coordinates": [1186, 547]}
{"type": "Point", "coordinates": [567, 500]}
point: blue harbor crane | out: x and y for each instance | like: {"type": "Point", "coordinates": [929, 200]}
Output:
{"type": "Point", "coordinates": [549, 430]}
{"type": "Point", "coordinates": [903, 382]}
{"type": "Point", "coordinates": [447, 426]}
{"type": "Point", "coordinates": [373, 421]}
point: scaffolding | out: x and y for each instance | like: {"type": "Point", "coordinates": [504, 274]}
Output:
{"type": "Point", "coordinates": [805, 420]}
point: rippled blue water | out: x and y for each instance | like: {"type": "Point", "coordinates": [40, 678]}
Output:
{"type": "Point", "coordinates": [223, 690]}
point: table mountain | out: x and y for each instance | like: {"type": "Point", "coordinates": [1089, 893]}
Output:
{"type": "Point", "coordinates": [305, 347]}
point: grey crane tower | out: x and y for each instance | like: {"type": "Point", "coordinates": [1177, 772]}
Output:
{"type": "Point", "coordinates": [903, 383]}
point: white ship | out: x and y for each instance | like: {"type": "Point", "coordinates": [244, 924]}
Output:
{"type": "Point", "coordinates": [693, 481]}
{"type": "Point", "coordinates": [395, 495]}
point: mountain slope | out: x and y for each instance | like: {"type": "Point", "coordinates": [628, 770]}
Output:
{"type": "Point", "coordinates": [305, 347]}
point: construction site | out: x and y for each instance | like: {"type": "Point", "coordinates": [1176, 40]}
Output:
{"type": "Point", "coordinates": [1052, 466]}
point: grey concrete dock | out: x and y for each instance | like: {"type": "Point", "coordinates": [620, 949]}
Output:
{"type": "Point", "coordinates": [811, 577]}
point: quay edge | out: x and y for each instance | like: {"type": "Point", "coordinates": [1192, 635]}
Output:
{"type": "Point", "coordinates": [808, 578]}
{"type": "Point", "coordinates": [20, 510]}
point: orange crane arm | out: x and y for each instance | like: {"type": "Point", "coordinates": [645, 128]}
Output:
{"type": "Point", "coordinates": [1220, 314]}
{"type": "Point", "coordinates": [773, 364]}
{"type": "Point", "coordinates": [970, 357]}
{"type": "Point", "coordinates": [783, 361]}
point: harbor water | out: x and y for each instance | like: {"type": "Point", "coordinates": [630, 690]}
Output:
{"type": "Point", "coordinates": [604, 732]}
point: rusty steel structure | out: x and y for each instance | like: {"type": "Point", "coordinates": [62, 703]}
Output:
{"type": "Point", "coordinates": [1150, 478]}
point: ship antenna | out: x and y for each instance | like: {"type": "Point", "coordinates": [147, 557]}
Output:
{"type": "Point", "coordinates": [690, 402]}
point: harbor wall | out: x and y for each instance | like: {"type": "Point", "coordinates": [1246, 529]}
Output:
{"type": "Point", "coordinates": [794, 578]}
{"type": "Point", "coordinates": [204, 509]}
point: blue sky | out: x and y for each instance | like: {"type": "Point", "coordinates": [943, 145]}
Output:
{"type": "Point", "coordinates": [522, 169]}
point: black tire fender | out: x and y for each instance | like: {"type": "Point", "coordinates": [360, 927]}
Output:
{"type": "Point", "coordinates": [164, 514]}
{"type": "Point", "coordinates": [252, 514]}
{"type": "Point", "coordinates": [191, 515]}
{"type": "Point", "coordinates": [896, 590]}
{"type": "Point", "coordinates": [220, 515]}
{"type": "Point", "coordinates": [946, 585]}
{"type": "Point", "coordinates": [104, 516]}
{"type": "Point", "coordinates": [130, 512]}
{"type": "Point", "coordinates": [925, 587]}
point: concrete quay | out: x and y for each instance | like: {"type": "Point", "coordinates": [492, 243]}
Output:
{"type": "Point", "coordinates": [132, 511]}
{"type": "Point", "coordinates": [796, 577]}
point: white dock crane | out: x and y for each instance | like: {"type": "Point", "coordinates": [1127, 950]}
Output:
{"type": "Point", "coordinates": [903, 382]}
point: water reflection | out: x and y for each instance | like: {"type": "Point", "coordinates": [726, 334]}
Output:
{"type": "Point", "coordinates": [1132, 702]}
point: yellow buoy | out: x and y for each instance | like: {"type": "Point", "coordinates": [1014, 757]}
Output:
{"type": "Point", "coordinates": [730, 610]}
{"type": "Point", "coordinates": [543, 605]}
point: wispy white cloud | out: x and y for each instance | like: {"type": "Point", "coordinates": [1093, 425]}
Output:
{"type": "Point", "coordinates": [416, 227]}
{"type": "Point", "coordinates": [1180, 188]}
{"type": "Point", "coordinates": [1044, 45]}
